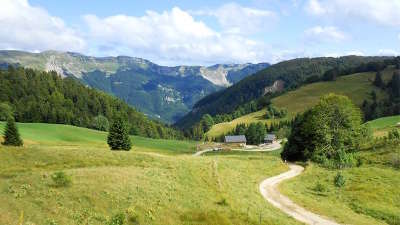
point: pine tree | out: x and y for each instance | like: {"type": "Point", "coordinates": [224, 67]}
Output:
{"type": "Point", "coordinates": [378, 82]}
{"type": "Point", "coordinates": [11, 134]}
{"type": "Point", "coordinates": [118, 137]}
{"type": "Point", "coordinates": [251, 134]}
{"type": "Point", "coordinates": [395, 84]}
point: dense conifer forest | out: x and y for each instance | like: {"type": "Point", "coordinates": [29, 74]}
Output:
{"type": "Point", "coordinates": [36, 96]}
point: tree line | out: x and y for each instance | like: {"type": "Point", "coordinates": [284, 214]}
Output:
{"type": "Point", "coordinates": [37, 96]}
{"type": "Point", "coordinates": [389, 105]}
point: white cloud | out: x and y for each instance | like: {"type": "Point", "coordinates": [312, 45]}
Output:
{"type": "Point", "coordinates": [388, 52]}
{"type": "Point", "coordinates": [358, 53]}
{"type": "Point", "coordinates": [31, 28]}
{"type": "Point", "coordinates": [324, 34]}
{"type": "Point", "coordinates": [171, 36]}
{"type": "Point", "coordinates": [237, 19]}
{"type": "Point", "coordinates": [314, 7]}
{"type": "Point", "coordinates": [383, 12]}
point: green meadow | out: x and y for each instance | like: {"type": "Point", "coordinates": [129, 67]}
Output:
{"type": "Point", "coordinates": [383, 125]}
{"type": "Point", "coordinates": [157, 182]}
{"type": "Point", "coordinates": [356, 86]}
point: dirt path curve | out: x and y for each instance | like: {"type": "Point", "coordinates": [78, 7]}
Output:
{"type": "Point", "coordinates": [199, 153]}
{"type": "Point", "coordinates": [269, 190]}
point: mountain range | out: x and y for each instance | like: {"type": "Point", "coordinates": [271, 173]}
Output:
{"type": "Point", "coordinates": [162, 92]}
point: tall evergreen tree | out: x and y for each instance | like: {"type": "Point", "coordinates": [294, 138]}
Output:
{"type": "Point", "coordinates": [118, 137]}
{"type": "Point", "coordinates": [395, 84]}
{"type": "Point", "coordinates": [251, 134]}
{"type": "Point", "coordinates": [260, 132]}
{"type": "Point", "coordinates": [11, 134]}
{"type": "Point", "coordinates": [378, 82]}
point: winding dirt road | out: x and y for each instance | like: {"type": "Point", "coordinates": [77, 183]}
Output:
{"type": "Point", "coordinates": [269, 190]}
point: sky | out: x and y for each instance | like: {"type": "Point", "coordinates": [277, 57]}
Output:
{"type": "Point", "coordinates": [203, 32]}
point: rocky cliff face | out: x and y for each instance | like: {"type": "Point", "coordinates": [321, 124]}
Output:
{"type": "Point", "coordinates": [278, 86]}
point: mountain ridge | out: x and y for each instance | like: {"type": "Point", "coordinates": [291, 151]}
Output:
{"type": "Point", "coordinates": [162, 92]}
{"type": "Point", "coordinates": [293, 73]}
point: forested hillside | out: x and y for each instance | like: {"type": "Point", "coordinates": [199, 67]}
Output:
{"type": "Point", "coordinates": [162, 92]}
{"type": "Point", "coordinates": [37, 96]}
{"type": "Point", "coordinates": [291, 74]}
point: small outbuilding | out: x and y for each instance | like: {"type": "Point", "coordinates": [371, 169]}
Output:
{"type": "Point", "coordinates": [237, 140]}
{"type": "Point", "coordinates": [270, 139]}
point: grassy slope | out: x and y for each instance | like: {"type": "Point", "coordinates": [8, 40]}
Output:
{"type": "Point", "coordinates": [161, 188]}
{"type": "Point", "coordinates": [371, 194]}
{"type": "Point", "coordinates": [356, 86]}
{"type": "Point", "coordinates": [382, 125]}
{"type": "Point", "coordinates": [222, 128]}
{"type": "Point", "coordinates": [55, 134]}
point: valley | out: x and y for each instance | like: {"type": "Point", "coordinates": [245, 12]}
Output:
{"type": "Point", "coordinates": [161, 92]}
{"type": "Point", "coordinates": [63, 171]}
{"type": "Point", "coordinates": [199, 112]}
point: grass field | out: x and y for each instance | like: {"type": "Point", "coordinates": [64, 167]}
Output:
{"type": "Point", "coordinates": [356, 86]}
{"type": "Point", "coordinates": [382, 126]}
{"type": "Point", "coordinates": [158, 181]}
{"type": "Point", "coordinates": [56, 134]}
{"type": "Point", "coordinates": [371, 194]}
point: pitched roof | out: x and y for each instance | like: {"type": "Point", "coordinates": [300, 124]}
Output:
{"type": "Point", "coordinates": [270, 137]}
{"type": "Point", "coordinates": [235, 139]}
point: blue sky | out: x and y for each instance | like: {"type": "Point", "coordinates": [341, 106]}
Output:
{"type": "Point", "coordinates": [203, 32]}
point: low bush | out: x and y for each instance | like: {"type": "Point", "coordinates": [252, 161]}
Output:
{"type": "Point", "coordinates": [117, 219]}
{"type": "Point", "coordinates": [132, 215]}
{"type": "Point", "coordinates": [345, 160]}
{"type": "Point", "coordinates": [396, 161]}
{"type": "Point", "coordinates": [51, 222]}
{"type": "Point", "coordinates": [61, 179]}
{"type": "Point", "coordinates": [223, 202]}
{"type": "Point", "coordinates": [319, 187]}
{"type": "Point", "coordinates": [339, 181]}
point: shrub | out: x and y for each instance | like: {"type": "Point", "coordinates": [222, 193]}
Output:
{"type": "Point", "coordinates": [360, 162]}
{"type": "Point", "coordinates": [339, 180]}
{"type": "Point", "coordinates": [223, 202]}
{"type": "Point", "coordinates": [100, 122]}
{"type": "Point", "coordinates": [396, 161]}
{"type": "Point", "coordinates": [51, 222]}
{"type": "Point", "coordinates": [132, 215]}
{"type": "Point", "coordinates": [117, 219]}
{"type": "Point", "coordinates": [60, 179]}
{"type": "Point", "coordinates": [343, 159]}
{"type": "Point", "coordinates": [394, 134]}
{"type": "Point", "coordinates": [319, 187]}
